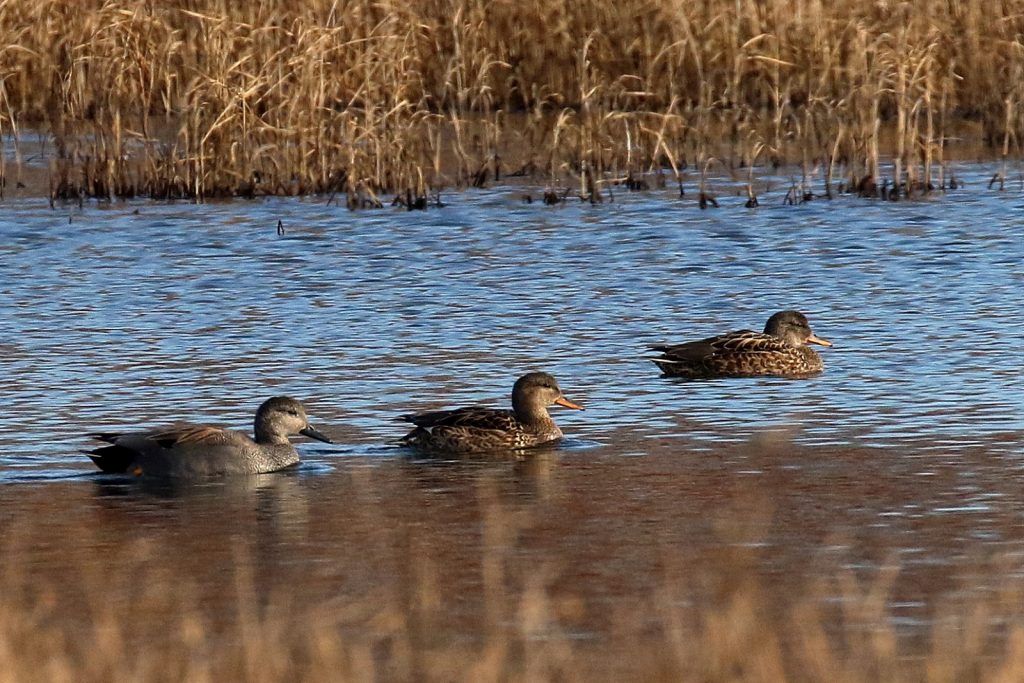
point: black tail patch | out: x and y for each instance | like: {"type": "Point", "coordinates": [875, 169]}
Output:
{"type": "Point", "coordinates": [114, 459]}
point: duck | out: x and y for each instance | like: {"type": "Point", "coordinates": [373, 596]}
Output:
{"type": "Point", "coordinates": [781, 350]}
{"type": "Point", "coordinates": [197, 450]}
{"type": "Point", "coordinates": [477, 429]}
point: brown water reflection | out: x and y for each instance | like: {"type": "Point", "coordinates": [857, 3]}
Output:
{"type": "Point", "coordinates": [579, 561]}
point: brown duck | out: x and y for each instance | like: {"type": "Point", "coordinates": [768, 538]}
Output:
{"type": "Point", "coordinates": [781, 350]}
{"type": "Point", "coordinates": [194, 450]}
{"type": "Point", "coordinates": [477, 429]}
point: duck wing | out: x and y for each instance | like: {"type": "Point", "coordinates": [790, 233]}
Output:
{"type": "Point", "coordinates": [474, 417]}
{"type": "Point", "coordinates": [741, 341]}
{"type": "Point", "coordinates": [169, 437]}
{"type": "Point", "coordinates": [126, 447]}
{"type": "Point", "coordinates": [746, 341]}
{"type": "Point", "coordinates": [190, 434]}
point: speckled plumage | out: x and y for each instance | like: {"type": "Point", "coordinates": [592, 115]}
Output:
{"type": "Point", "coordinates": [781, 350]}
{"type": "Point", "coordinates": [477, 429]}
{"type": "Point", "coordinates": [191, 450]}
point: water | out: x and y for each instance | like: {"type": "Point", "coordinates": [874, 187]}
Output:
{"type": "Point", "coordinates": [906, 449]}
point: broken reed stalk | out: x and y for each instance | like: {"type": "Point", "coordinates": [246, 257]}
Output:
{"type": "Point", "coordinates": [1006, 142]}
{"type": "Point", "coordinates": [899, 158]}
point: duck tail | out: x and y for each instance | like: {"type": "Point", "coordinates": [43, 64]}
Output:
{"type": "Point", "coordinates": [113, 459]}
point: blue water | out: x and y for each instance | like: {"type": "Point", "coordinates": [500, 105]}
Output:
{"type": "Point", "coordinates": [124, 314]}
{"type": "Point", "coordinates": [907, 449]}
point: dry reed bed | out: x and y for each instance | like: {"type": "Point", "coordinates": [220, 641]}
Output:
{"type": "Point", "coordinates": [195, 98]}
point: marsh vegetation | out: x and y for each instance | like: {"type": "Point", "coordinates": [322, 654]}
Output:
{"type": "Point", "coordinates": [369, 99]}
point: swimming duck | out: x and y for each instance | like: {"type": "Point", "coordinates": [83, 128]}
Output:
{"type": "Point", "coordinates": [477, 429]}
{"type": "Point", "coordinates": [782, 350]}
{"type": "Point", "coordinates": [194, 450]}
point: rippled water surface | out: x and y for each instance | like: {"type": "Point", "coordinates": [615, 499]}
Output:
{"type": "Point", "coordinates": [910, 442]}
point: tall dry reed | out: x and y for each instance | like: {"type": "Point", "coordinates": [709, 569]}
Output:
{"type": "Point", "coordinates": [200, 98]}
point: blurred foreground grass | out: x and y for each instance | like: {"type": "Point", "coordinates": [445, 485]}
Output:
{"type": "Point", "coordinates": [73, 607]}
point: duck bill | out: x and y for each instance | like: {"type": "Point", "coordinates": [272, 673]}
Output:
{"type": "Point", "coordinates": [314, 434]}
{"type": "Point", "coordinates": [813, 339]}
{"type": "Point", "coordinates": [563, 401]}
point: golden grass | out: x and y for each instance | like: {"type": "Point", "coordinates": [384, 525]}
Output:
{"type": "Point", "coordinates": [201, 98]}
{"type": "Point", "coordinates": [131, 611]}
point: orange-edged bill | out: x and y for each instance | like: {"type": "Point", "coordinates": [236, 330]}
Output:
{"type": "Point", "coordinates": [814, 339]}
{"type": "Point", "coordinates": [563, 401]}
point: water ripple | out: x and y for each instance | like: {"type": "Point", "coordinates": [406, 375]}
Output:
{"type": "Point", "coordinates": [114, 317]}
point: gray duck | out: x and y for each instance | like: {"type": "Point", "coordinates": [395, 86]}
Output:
{"type": "Point", "coordinates": [195, 450]}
